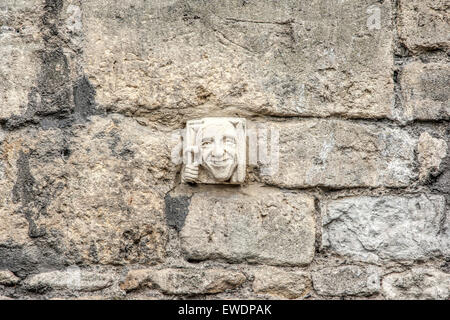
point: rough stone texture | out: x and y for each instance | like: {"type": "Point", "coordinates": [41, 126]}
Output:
{"type": "Point", "coordinates": [424, 24]}
{"type": "Point", "coordinates": [20, 42]}
{"type": "Point", "coordinates": [97, 196]}
{"type": "Point", "coordinates": [280, 283]}
{"type": "Point", "coordinates": [7, 278]}
{"type": "Point", "coordinates": [92, 90]}
{"type": "Point", "coordinates": [425, 91]}
{"type": "Point", "coordinates": [70, 279]}
{"type": "Point", "coordinates": [418, 283]}
{"type": "Point", "coordinates": [347, 281]}
{"type": "Point", "coordinates": [341, 154]}
{"type": "Point", "coordinates": [431, 153]}
{"type": "Point", "coordinates": [254, 225]}
{"type": "Point", "coordinates": [373, 229]}
{"type": "Point", "coordinates": [169, 60]}
{"type": "Point", "coordinates": [184, 281]}
{"type": "Point", "coordinates": [441, 182]}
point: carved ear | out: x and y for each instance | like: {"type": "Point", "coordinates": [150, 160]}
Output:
{"type": "Point", "coordinates": [239, 175]}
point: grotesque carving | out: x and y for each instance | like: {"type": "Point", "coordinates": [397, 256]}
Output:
{"type": "Point", "coordinates": [215, 151]}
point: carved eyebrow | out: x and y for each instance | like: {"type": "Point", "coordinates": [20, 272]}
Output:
{"type": "Point", "coordinates": [205, 141]}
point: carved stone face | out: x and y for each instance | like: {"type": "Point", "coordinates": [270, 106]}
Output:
{"type": "Point", "coordinates": [218, 148]}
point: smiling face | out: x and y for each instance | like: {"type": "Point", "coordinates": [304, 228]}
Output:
{"type": "Point", "coordinates": [218, 148]}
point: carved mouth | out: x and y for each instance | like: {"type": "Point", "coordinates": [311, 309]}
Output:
{"type": "Point", "coordinates": [219, 162]}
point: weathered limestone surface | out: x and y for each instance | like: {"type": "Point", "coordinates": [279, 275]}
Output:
{"type": "Point", "coordinates": [432, 151]}
{"type": "Point", "coordinates": [418, 283]}
{"type": "Point", "coordinates": [169, 60]}
{"type": "Point", "coordinates": [184, 281]}
{"type": "Point", "coordinates": [374, 229]}
{"type": "Point", "coordinates": [8, 278]}
{"type": "Point", "coordinates": [20, 42]}
{"type": "Point", "coordinates": [280, 283]}
{"type": "Point", "coordinates": [424, 24]}
{"type": "Point", "coordinates": [425, 91]}
{"type": "Point", "coordinates": [255, 225]}
{"type": "Point", "coordinates": [341, 154]}
{"type": "Point", "coordinates": [97, 194]}
{"type": "Point", "coordinates": [70, 279]}
{"type": "Point", "coordinates": [347, 281]}
{"type": "Point", "coordinates": [92, 207]}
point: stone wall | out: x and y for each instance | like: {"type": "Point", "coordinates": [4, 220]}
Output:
{"type": "Point", "coordinates": [92, 207]}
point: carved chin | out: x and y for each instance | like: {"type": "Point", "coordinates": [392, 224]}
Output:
{"type": "Point", "coordinates": [221, 172]}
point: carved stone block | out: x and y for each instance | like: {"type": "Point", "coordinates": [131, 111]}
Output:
{"type": "Point", "coordinates": [214, 151]}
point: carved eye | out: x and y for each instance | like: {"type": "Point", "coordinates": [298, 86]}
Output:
{"type": "Point", "coordinates": [229, 140]}
{"type": "Point", "coordinates": [206, 143]}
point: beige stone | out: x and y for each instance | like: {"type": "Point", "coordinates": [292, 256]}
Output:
{"type": "Point", "coordinates": [424, 24]}
{"type": "Point", "coordinates": [425, 91]}
{"type": "Point", "coordinates": [184, 281]}
{"type": "Point", "coordinates": [215, 151]}
{"type": "Point", "coordinates": [99, 196]}
{"type": "Point", "coordinates": [179, 60]}
{"type": "Point", "coordinates": [253, 224]}
{"type": "Point", "coordinates": [431, 153]}
{"type": "Point", "coordinates": [280, 283]}
{"type": "Point", "coordinates": [70, 279]}
{"type": "Point", "coordinates": [342, 154]}
{"type": "Point", "coordinates": [8, 278]}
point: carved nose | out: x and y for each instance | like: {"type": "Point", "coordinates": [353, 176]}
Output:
{"type": "Point", "coordinates": [218, 150]}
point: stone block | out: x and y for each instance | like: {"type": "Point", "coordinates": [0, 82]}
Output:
{"type": "Point", "coordinates": [7, 278]}
{"type": "Point", "coordinates": [73, 279]}
{"type": "Point", "coordinates": [97, 195]}
{"type": "Point", "coordinates": [420, 283]}
{"type": "Point", "coordinates": [347, 281]}
{"type": "Point", "coordinates": [280, 283]}
{"type": "Point", "coordinates": [424, 24]}
{"type": "Point", "coordinates": [184, 281]}
{"type": "Point", "coordinates": [432, 151]}
{"type": "Point", "coordinates": [425, 91]}
{"type": "Point", "coordinates": [255, 225]}
{"type": "Point", "coordinates": [341, 154]}
{"type": "Point", "coordinates": [375, 229]}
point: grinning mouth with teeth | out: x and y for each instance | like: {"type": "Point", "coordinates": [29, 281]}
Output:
{"type": "Point", "coordinates": [219, 162]}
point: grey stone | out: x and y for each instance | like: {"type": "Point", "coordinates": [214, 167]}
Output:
{"type": "Point", "coordinates": [347, 281]}
{"type": "Point", "coordinates": [280, 283]}
{"type": "Point", "coordinates": [381, 228]}
{"type": "Point", "coordinates": [254, 224]}
{"type": "Point", "coordinates": [8, 278]}
{"type": "Point", "coordinates": [419, 283]}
